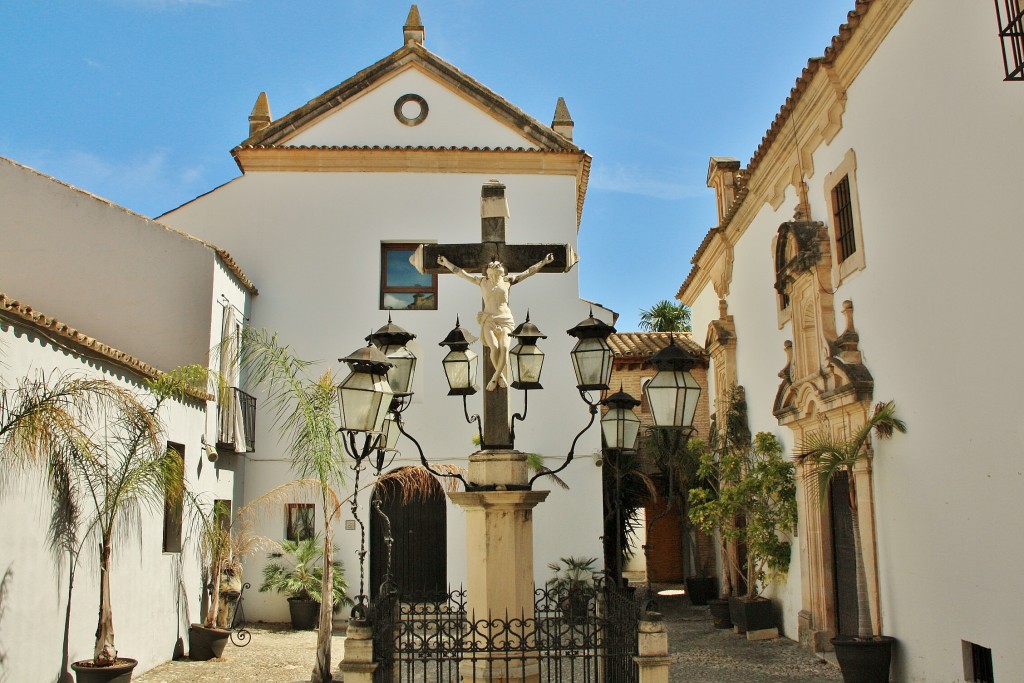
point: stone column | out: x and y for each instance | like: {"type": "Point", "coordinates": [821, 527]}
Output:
{"type": "Point", "coordinates": [357, 663]}
{"type": "Point", "coordinates": [653, 658]}
{"type": "Point", "coordinates": [499, 551]}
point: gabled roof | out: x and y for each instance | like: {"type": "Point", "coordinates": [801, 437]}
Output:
{"type": "Point", "coordinates": [280, 131]}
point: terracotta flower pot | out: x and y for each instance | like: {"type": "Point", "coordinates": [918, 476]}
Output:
{"type": "Point", "coordinates": [119, 672]}
{"type": "Point", "coordinates": [864, 661]}
{"type": "Point", "coordinates": [206, 643]}
{"type": "Point", "coordinates": [305, 614]}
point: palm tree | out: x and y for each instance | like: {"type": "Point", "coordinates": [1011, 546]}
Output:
{"type": "Point", "coordinates": [304, 409]}
{"type": "Point", "coordinates": [49, 421]}
{"type": "Point", "coordinates": [665, 316]}
{"type": "Point", "coordinates": [126, 470]}
{"type": "Point", "coordinates": [826, 456]}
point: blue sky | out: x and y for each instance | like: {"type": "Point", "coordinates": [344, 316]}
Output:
{"type": "Point", "coordinates": [139, 101]}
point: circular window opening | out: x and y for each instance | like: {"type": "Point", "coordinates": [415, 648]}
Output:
{"type": "Point", "coordinates": [411, 109]}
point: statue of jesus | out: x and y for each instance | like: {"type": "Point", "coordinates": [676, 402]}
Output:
{"type": "Point", "coordinates": [496, 323]}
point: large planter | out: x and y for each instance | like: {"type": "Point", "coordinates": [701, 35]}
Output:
{"type": "Point", "coordinates": [720, 613]}
{"type": "Point", "coordinates": [864, 661]}
{"type": "Point", "coordinates": [751, 614]}
{"type": "Point", "coordinates": [206, 643]}
{"type": "Point", "coordinates": [120, 672]}
{"type": "Point", "coordinates": [305, 613]}
{"type": "Point", "coordinates": [700, 589]}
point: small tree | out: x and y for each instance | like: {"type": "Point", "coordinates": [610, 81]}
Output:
{"type": "Point", "coordinates": [826, 456]}
{"type": "Point", "coordinates": [665, 316]}
{"type": "Point", "coordinates": [750, 501]}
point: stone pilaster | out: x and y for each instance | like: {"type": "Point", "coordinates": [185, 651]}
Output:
{"type": "Point", "coordinates": [653, 658]}
{"type": "Point", "coordinates": [357, 664]}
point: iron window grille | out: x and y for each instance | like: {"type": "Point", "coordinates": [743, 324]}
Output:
{"type": "Point", "coordinates": [402, 287]}
{"type": "Point", "coordinates": [174, 508]}
{"type": "Point", "coordinates": [299, 521]}
{"type": "Point", "coordinates": [780, 265]}
{"type": "Point", "coordinates": [1011, 34]}
{"type": "Point", "coordinates": [842, 212]}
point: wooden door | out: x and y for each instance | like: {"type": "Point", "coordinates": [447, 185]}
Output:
{"type": "Point", "coordinates": [844, 563]}
{"type": "Point", "coordinates": [419, 553]}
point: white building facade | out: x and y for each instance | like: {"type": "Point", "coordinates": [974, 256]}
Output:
{"type": "Point", "coordinates": [868, 251]}
{"type": "Point", "coordinates": [332, 200]}
{"type": "Point", "coordinates": [160, 294]}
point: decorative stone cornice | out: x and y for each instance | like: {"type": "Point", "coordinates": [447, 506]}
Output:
{"type": "Point", "coordinates": [811, 115]}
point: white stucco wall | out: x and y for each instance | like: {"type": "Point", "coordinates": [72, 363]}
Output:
{"type": "Point", "coordinates": [130, 281]}
{"type": "Point", "coordinates": [935, 133]}
{"type": "Point", "coordinates": [155, 594]}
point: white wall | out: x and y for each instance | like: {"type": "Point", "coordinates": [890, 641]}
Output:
{"type": "Point", "coordinates": [936, 135]}
{"type": "Point", "coordinates": [129, 281]}
{"type": "Point", "coordinates": [369, 120]}
{"type": "Point", "coordinates": [312, 242]}
{"type": "Point", "coordinates": [150, 612]}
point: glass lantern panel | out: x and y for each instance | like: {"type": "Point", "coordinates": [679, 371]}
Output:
{"type": "Point", "coordinates": [620, 427]}
{"type": "Point", "coordinates": [400, 376]}
{"type": "Point", "coordinates": [460, 367]}
{"type": "Point", "coordinates": [527, 362]}
{"type": "Point", "coordinates": [391, 433]}
{"type": "Point", "coordinates": [364, 399]}
{"type": "Point", "coordinates": [673, 396]}
{"type": "Point", "coordinates": [592, 360]}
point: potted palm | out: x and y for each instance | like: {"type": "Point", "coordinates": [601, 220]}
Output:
{"type": "Point", "coordinates": [865, 658]}
{"type": "Point", "coordinates": [48, 421]}
{"type": "Point", "coordinates": [209, 638]}
{"type": "Point", "coordinates": [129, 463]}
{"type": "Point", "coordinates": [295, 572]}
{"type": "Point", "coordinates": [572, 586]}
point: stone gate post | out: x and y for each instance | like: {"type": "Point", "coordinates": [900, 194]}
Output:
{"type": "Point", "coordinates": [653, 658]}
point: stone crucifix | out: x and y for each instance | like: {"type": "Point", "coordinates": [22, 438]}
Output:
{"type": "Point", "coordinates": [494, 259]}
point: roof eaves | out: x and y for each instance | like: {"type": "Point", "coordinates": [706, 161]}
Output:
{"type": "Point", "coordinates": [534, 130]}
{"type": "Point", "coordinates": [835, 48]}
{"type": "Point", "coordinates": [65, 335]}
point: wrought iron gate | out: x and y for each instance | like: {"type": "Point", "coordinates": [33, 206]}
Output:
{"type": "Point", "coordinates": [588, 636]}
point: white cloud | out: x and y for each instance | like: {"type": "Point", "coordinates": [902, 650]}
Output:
{"type": "Point", "coordinates": [646, 182]}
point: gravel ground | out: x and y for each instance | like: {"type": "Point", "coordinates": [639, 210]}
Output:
{"type": "Point", "coordinates": [701, 654]}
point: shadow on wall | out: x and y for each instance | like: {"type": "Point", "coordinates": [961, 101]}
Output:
{"type": "Point", "coordinates": [5, 584]}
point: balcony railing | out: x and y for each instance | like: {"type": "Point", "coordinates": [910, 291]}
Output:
{"type": "Point", "coordinates": [1011, 34]}
{"type": "Point", "coordinates": [237, 400]}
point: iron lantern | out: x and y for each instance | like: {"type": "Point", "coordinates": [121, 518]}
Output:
{"type": "Point", "coordinates": [527, 359]}
{"type": "Point", "coordinates": [391, 340]}
{"type": "Point", "coordinates": [620, 425]}
{"type": "Point", "coordinates": [673, 392]}
{"type": "Point", "coordinates": [389, 433]}
{"type": "Point", "coordinates": [364, 397]}
{"type": "Point", "coordinates": [460, 365]}
{"type": "Point", "coordinates": [592, 357]}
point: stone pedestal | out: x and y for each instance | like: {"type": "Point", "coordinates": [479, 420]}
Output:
{"type": "Point", "coordinates": [653, 659]}
{"type": "Point", "coordinates": [499, 551]}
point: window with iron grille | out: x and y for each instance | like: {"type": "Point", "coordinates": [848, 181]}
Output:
{"type": "Point", "coordinates": [299, 521]}
{"type": "Point", "coordinates": [402, 287]}
{"type": "Point", "coordinates": [173, 507]}
{"type": "Point", "coordinates": [978, 663]}
{"type": "Point", "coordinates": [780, 264]}
{"type": "Point", "coordinates": [1011, 35]}
{"type": "Point", "coordinates": [842, 213]}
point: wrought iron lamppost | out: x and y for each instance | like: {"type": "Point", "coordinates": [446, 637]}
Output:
{"type": "Point", "coordinates": [620, 428]}
{"type": "Point", "coordinates": [673, 395]}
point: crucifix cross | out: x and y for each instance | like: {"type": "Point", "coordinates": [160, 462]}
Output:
{"type": "Point", "coordinates": [467, 259]}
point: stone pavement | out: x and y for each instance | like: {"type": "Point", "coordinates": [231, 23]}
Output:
{"type": "Point", "coordinates": [703, 654]}
{"type": "Point", "coordinates": [700, 653]}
